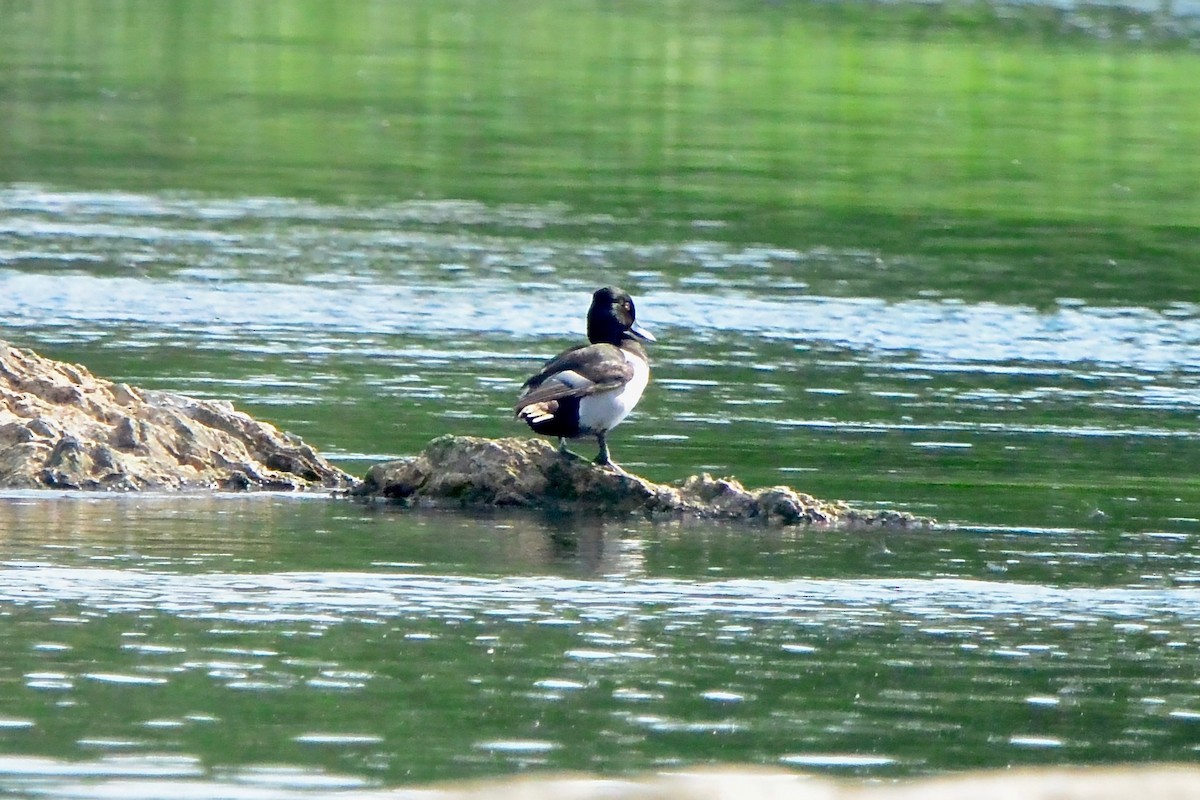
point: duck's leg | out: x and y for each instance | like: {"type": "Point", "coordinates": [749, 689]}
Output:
{"type": "Point", "coordinates": [603, 459]}
{"type": "Point", "coordinates": [563, 451]}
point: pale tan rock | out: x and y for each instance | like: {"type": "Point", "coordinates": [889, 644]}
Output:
{"type": "Point", "coordinates": [471, 471]}
{"type": "Point", "coordinates": [62, 427]}
{"type": "Point", "coordinates": [1116, 782]}
{"type": "Point", "coordinates": [1113, 782]}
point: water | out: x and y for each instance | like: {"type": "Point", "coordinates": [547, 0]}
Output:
{"type": "Point", "coordinates": [766, 367]}
{"type": "Point", "coordinates": [212, 637]}
{"type": "Point", "coordinates": [865, 298]}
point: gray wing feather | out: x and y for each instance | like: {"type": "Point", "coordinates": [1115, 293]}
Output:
{"type": "Point", "coordinates": [578, 372]}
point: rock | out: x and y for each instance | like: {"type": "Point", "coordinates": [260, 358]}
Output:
{"type": "Point", "coordinates": [62, 427]}
{"type": "Point", "coordinates": [471, 471]}
{"type": "Point", "coordinates": [1110, 782]}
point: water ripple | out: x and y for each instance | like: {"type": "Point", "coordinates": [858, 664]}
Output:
{"type": "Point", "coordinates": [938, 333]}
{"type": "Point", "coordinates": [322, 597]}
{"type": "Point", "coordinates": [200, 268]}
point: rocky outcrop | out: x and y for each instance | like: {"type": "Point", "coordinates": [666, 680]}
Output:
{"type": "Point", "coordinates": [62, 427]}
{"type": "Point", "coordinates": [469, 471]}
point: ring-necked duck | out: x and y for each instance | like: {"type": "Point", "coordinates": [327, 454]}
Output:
{"type": "Point", "coordinates": [587, 390]}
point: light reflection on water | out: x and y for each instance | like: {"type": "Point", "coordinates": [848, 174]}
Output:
{"type": "Point", "coordinates": [224, 635]}
{"type": "Point", "coordinates": [328, 597]}
{"type": "Point", "coordinates": [617, 656]}
{"type": "Point", "coordinates": [943, 335]}
{"type": "Point", "coordinates": [315, 275]}
{"type": "Point", "coordinates": [1018, 360]}
{"type": "Point", "coordinates": [364, 329]}
{"type": "Point", "coordinates": [162, 775]}
{"type": "Point", "coordinates": [620, 653]}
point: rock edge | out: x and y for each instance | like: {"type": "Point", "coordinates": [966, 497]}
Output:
{"type": "Point", "coordinates": [63, 428]}
{"type": "Point", "coordinates": [468, 471]}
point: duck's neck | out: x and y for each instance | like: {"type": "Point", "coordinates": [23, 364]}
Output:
{"type": "Point", "coordinates": [602, 329]}
{"type": "Point", "coordinates": [632, 345]}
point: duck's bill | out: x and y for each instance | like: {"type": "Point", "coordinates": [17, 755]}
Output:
{"type": "Point", "coordinates": [642, 333]}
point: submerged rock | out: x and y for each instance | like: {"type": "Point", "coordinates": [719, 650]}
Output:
{"type": "Point", "coordinates": [62, 427]}
{"type": "Point", "coordinates": [471, 471]}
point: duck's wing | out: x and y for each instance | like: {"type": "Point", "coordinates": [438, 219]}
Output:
{"type": "Point", "coordinates": [578, 372]}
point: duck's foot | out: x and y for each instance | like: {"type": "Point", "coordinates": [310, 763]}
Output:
{"type": "Point", "coordinates": [564, 452]}
{"type": "Point", "coordinates": [603, 460]}
{"type": "Point", "coordinates": [612, 465]}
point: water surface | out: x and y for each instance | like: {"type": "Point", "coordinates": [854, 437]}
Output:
{"type": "Point", "coordinates": [369, 330]}
{"type": "Point", "coordinates": [931, 258]}
{"type": "Point", "coordinates": [142, 634]}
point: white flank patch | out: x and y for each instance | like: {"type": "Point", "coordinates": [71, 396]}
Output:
{"type": "Point", "coordinates": [604, 411]}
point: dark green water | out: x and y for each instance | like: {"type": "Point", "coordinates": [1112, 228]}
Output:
{"type": "Point", "coordinates": [940, 258]}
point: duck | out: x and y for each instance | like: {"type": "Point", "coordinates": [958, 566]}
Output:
{"type": "Point", "coordinates": [589, 389]}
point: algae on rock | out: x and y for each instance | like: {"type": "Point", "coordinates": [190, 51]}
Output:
{"type": "Point", "coordinates": [473, 471]}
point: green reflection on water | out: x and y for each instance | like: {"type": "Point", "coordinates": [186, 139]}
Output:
{"type": "Point", "coordinates": [1010, 156]}
{"type": "Point", "coordinates": [404, 647]}
{"type": "Point", "coordinates": [911, 129]}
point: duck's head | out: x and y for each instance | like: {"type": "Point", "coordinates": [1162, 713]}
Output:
{"type": "Point", "coordinates": [613, 318]}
